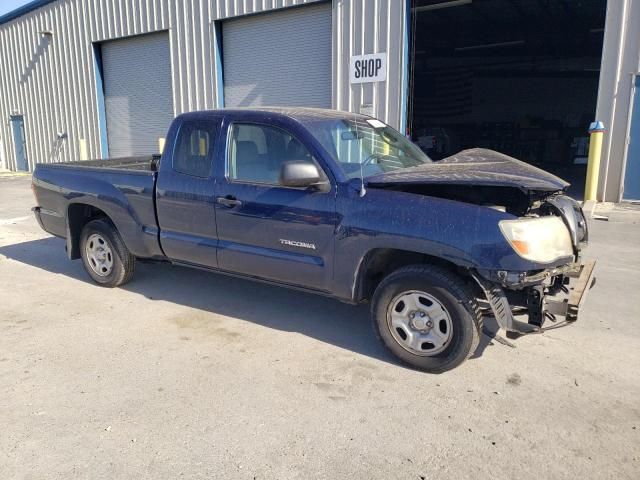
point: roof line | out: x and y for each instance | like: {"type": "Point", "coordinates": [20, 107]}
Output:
{"type": "Point", "coordinates": [20, 11]}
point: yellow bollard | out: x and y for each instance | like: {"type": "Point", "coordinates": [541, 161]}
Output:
{"type": "Point", "coordinates": [596, 131]}
{"type": "Point", "coordinates": [161, 145]}
{"type": "Point", "coordinates": [83, 149]}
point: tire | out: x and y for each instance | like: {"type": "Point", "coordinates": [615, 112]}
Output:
{"type": "Point", "coordinates": [427, 317]}
{"type": "Point", "coordinates": [104, 255]}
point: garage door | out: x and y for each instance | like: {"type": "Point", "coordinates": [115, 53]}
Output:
{"type": "Point", "coordinates": [137, 93]}
{"type": "Point", "coordinates": [279, 59]}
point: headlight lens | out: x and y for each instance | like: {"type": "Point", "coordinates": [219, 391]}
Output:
{"type": "Point", "coordinates": [543, 239]}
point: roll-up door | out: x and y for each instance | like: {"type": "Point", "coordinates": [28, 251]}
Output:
{"type": "Point", "coordinates": [279, 58]}
{"type": "Point", "coordinates": [137, 93]}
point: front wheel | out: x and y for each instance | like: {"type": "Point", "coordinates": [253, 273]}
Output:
{"type": "Point", "coordinates": [104, 255]}
{"type": "Point", "coordinates": [427, 317]}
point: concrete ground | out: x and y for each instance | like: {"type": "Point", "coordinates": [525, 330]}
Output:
{"type": "Point", "coordinates": [188, 374]}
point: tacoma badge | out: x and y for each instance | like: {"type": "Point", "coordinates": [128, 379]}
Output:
{"type": "Point", "coordinates": [293, 243]}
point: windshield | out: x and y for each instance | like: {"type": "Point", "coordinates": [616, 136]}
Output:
{"type": "Point", "coordinates": [365, 146]}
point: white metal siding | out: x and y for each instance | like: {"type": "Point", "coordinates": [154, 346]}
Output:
{"type": "Point", "coordinates": [51, 80]}
{"type": "Point", "coordinates": [281, 58]}
{"type": "Point", "coordinates": [371, 26]}
{"type": "Point", "coordinates": [620, 62]}
{"type": "Point", "coordinates": [3, 163]}
{"type": "Point", "coordinates": [137, 93]}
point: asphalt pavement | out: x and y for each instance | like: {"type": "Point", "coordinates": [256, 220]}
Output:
{"type": "Point", "coordinates": [189, 374]}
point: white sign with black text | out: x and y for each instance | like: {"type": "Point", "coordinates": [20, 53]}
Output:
{"type": "Point", "coordinates": [368, 68]}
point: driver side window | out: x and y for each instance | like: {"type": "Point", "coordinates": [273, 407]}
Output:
{"type": "Point", "coordinates": [257, 152]}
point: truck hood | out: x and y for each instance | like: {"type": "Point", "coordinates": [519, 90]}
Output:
{"type": "Point", "coordinates": [477, 167]}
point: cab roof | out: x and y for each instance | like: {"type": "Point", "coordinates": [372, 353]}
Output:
{"type": "Point", "coordinates": [296, 113]}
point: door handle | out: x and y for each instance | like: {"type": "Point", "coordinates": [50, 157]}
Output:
{"type": "Point", "coordinates": [228, 201]}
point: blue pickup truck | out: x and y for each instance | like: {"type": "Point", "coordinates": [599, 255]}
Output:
{"type": "Point", "coordinates": [338, 204]}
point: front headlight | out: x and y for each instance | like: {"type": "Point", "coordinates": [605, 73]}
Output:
{"type": "Point", "coordinates": [543, 239]}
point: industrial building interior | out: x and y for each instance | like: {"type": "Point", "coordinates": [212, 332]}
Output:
{"type": "Point", "coordinates": [516, 76]}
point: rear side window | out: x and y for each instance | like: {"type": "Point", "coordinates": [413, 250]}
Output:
{"type": "Point", "coordinates": [257, 153]}
{"type": "Point", "coordinates": [194, 149]}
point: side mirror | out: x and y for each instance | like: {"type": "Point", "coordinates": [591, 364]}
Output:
{"type": "Point", "coordinates": [302, 173]}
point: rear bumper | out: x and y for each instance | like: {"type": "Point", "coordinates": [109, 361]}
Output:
{"type": "Point", "coordinates": [540, 302]}
{"type": "Point", "coordinates": [36, 212]}
{"type": "Point", "coordinates": [50, 221]}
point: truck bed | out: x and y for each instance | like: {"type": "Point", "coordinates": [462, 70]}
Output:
{"type": "Point", "coordinates": [143, 163]}
{"type": "Point", "coordinates": [122, 188]}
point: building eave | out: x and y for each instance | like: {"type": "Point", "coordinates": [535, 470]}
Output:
{"type": "Point", "coordinates": [23, 10]}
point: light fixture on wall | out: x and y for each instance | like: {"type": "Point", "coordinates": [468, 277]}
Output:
{"type": "Point", "coordinates": [45, 33]}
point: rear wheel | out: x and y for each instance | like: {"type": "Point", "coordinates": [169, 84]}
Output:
{"type": "Point", "coordinates": [427, 317]}
{"type": "Point", "coordinates": [104, 255]}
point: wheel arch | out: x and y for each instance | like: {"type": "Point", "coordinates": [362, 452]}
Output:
{"type": "Point", "coordinates": [78, 215]}
{"type": "Point", "coordinates": [377, 263]}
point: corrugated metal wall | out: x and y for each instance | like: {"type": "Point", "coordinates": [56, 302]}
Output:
{"type": "Point", "coordinates": [281, 58]}
{"type": "Point", "coordinates": [51, 78]}
{"type": "Point", "coordinates": [371, 26]}
{"type": "Point", "coordinates": [138, 112]}
{"type": "Point", "coordinates": [620, 62]}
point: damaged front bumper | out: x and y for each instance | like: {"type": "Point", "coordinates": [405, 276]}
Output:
{"type": "Point", "coordinates": [535, 295]}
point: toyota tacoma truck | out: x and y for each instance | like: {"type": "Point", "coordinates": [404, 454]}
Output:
{"type": "Point", "coordinates": [338, 204]}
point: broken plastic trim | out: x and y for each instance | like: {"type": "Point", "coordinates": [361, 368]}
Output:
{"type": "Point", "coordinates": [501, 308]}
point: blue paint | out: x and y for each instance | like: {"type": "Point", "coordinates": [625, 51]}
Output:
{"type": "Point", "coordinates": [632, 170]}
{"type": "Point", "coordinates": [338, 228]}
{"type": "Point", "coordinates": [217, 53]}
{"type": "Point", "coordinates": [19, 142]}
{"type": "Point", "coordinates": [596, 126]}
{"type": "Point", "coordinates": [251, 234]}
{"type": "Point", "coordinates": [102, 112]}
{"type": "Point", "coordinates": [184, 203]}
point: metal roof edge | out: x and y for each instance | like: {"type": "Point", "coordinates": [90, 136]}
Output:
{"type": "Point", "coordinates": [20, 11]}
